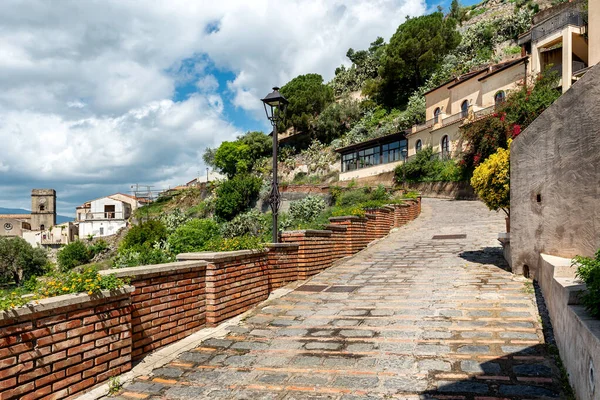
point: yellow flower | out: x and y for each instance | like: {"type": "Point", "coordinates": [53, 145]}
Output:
{"type": "Point", "coordinates": [90, 292]}
{"type": "Point", "coordinates": [65, 288]}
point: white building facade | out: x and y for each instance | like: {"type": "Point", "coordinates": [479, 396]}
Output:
{"type": "Point", "coordinates": [103, 217]}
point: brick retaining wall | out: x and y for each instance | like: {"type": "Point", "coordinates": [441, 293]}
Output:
{"type": "Point", "coordinates": [168, 303]}
{"type": "Point", "coordinates": [64, 344]}
{"type": "Point", "coordinates": [235, 281]}
{"type": "Point", "coordinates": [315, 251]}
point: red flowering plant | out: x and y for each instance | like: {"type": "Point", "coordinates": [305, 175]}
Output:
{"type": "Point", "coordinates": [521, 108]}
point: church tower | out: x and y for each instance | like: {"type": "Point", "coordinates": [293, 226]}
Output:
{"type": "Point", "coordinates": [43, 209]}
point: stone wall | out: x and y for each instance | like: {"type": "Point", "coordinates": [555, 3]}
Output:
{"type": "Point", "coordinates": [63, 345]}
{"type": "Point", "coordinates": [555, 179]}
{"type": "Point", "coordinates": [577, 334]}
{"type": "Point", "coordinates": [444, 190]}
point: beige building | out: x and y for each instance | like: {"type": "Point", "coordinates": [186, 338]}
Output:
{"type": "Point", "coordinates": [461, 100]}
{"type": "Point", "coordinates": [557, 42]}
{"type": "Point", "coordinates": [594, 31]}
{"type": "Point", "coordinates": [42, 217]}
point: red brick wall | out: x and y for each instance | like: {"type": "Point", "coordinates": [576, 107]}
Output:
{"type": "Point", "coordinates": [64, 345]}
{"type": "Point", "coordinates": [342, 243]}
{"type": "Point", "coordinates": [283, 264]}
{"type": "Point", "coordinates": [168, 304]}
{"type": "Point", "coordinates": [356, 231]}
{"type": "Point", "coordinates": [315, 251]}
{"type": "Point", "coordinates": [235, 282]}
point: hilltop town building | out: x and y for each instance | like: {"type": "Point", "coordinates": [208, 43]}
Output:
{"type": "Point", "coordinates": [106, 215]}
{"type": "Point", "coordinates": [43, 215]}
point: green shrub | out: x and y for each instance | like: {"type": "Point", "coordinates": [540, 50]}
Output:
{"type": "Point", "coordinates": [133, 258]}
{"type": "Point", "coordinates": [193, 236]}
{"type": "Point", "coordinates": [173, 220]}
{"type": "Point", "coordinates": [144, 235]}
{"type": "Point", "coordinates": [88, 281]}
{"type": "Point", "coordinates": [588, 270]}
{"type": "Point", "coordinates": [20, 261]}
{"type": "Point", "coordinates": [352, 197]}
{"type": "Point", "coordinates": [73, 255]}
{"type": "Point", "coordinates": [357, 211]}
{"type": "Point", "coordinates": [427, 167]}
{"type": "Point", "coordinates": [252, 223]}
{"type": "Point", "coordinates": [236, 195]}
{"type": "Point", "coordinates": [97, 247]}
{"type": "Point", "coordinates": [246, 242]}
{"type": "Point", "coordinates": [307, 209]}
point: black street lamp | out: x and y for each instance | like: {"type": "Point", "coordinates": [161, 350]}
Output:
{"type": "Point", "coordinates": [404, 152]}
{"type": "Point", "coordinates": [275, 105]}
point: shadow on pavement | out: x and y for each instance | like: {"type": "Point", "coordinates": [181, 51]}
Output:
{"type": "Point", "coordinates": [488, 256]}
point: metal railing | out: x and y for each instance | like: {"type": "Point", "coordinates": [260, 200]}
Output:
{"type": "Point", "coordinates": [485, 111]}
{"type": "Point", "coordinates": [556, 23]}
{"type": "Point", "coordinates": [102, 215]}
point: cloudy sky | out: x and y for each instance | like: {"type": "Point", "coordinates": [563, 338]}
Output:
{"type": "Point", "coordinates": [98, 95]}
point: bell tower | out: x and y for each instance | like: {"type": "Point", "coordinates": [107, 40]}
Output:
{"type": "Point", "coordinates": [43, 209]}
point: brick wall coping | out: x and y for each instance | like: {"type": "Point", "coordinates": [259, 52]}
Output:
{"type": "Point", "coordinates": [338, 228]}
{"type": "Point", "coordinates": [389, 207]}
{"type": "Point", "coordinates": [217, 256]}
{"type": "Point", "coordinates": [399, 205]}
{"type": "Point", "coordinates": [383, 208]}
{"type": "Point", "coordinates": [282, 245]}
{"type": "Point", "coordinates": [65, 300]}
{"type": "Point", "coordinates": [346, 218]}
{"type": "Point", "coordinates": [145, 270]}
{"type": "Point", "coordinates": [370, 216]}
{"type": "Point", "coordinates": [311, 232]}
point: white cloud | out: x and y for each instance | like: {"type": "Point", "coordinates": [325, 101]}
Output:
{"type": "Point", "coordinates": [87, 88]}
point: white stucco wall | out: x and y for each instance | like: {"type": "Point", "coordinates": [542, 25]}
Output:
{"type": "Point", "coordinates": [371, 171]}
{"type": "Point", "coordinates": [109, 227]}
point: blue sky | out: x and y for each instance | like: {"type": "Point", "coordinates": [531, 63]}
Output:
{"type": "Point", "coordinates": [99, 96]}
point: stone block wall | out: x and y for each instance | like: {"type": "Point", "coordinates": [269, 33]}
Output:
{"type": "Point", "coordinates": [65, 344]}
{"type": "Point", "coordinates": [167, 305]}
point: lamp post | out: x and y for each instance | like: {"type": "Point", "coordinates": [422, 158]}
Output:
{"type": "Point", "coordinates": [404, 152]}
{"type": "Point", "coordinates": [275, 105]}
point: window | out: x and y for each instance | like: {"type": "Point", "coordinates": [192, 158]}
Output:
{"type": "Point", "coordinates": [436, 115]}
{"type": "Point", "coordinates": [418, 146]}
{"type": "Point", "coordinates": [109, 211]}
{"type": "Point", "coordinates": [368, 157]}
{"type": "Point", "coordinates": [101, 230]}
{"type": "Point", "coordinates": [464, 109]}
{"type": "Point", "coordinates": [42, 227]}
{"type": "Point", "coordinates": [500, 97]}
{"type": "Point", "coordinates": [445, 146]}
{"type": "Point", "coordinates": [42, 207]}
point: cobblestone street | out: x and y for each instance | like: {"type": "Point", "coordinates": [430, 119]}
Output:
{"type": "Point", "coordinates": [411, 317]}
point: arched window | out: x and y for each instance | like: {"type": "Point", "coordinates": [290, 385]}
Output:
{"type": "Point", "coordinates": [500, 97]}
{"type": "Point", "coordinates": [42, 227]}
{"type": "Point", "coordinates": [436, 115]}
{"type": "Point", "coordinates": [418, 145]}
{"type": "Point", "coordinates": [464, 108]}
{"type": "Point", "coordinates": [445, 146]}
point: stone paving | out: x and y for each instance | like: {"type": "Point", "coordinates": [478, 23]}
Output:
{"type": "Point", "coordinates": [411, 317]}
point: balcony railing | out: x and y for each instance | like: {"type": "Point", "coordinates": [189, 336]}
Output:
{"type": "Point", "coordinates": [425, 125]}
{"type": "Point", "coordinates": [102, 216]}
{"type": "Point", "coordinates": [556, 23]}
{"type": "Point", "coordinates": [453, 118]}
{"type": "Point", "coordinates": [485, 111]}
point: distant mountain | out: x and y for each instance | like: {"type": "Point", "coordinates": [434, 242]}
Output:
{"type": "Point", "coordinates": [59, 218]}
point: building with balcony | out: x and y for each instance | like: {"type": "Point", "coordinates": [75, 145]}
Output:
{"type": "Point", "coordinates": [557, 42]}
{"type": "Point", "coordinates": [463, 99]}
{"type": "Point", "coordinates": [106, 215]}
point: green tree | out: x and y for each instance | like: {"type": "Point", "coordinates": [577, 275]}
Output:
{"type": "Point", "coordinates": [193, 235]}
{"type": "Point", "coordinates": [73, 255]}
{"type": "Point", "coordinates": [20, 261]}
{"type": "Point", "coordinates": [236, 195]}
{"type": "Point", "coordinates": [260, 145]}
{"type": "Point", "coordinates": [415, 51]}
{"type": "Point", "coordinates": [144, 235]}
{"type": "Point", "coordinates": [209, 157]}
{"type": "Point", "coordinates": [336, 120]}
{"type": "Point", "coordinates": [308, 96]}
{"type": "Point", "coordinates": [232, 158]}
